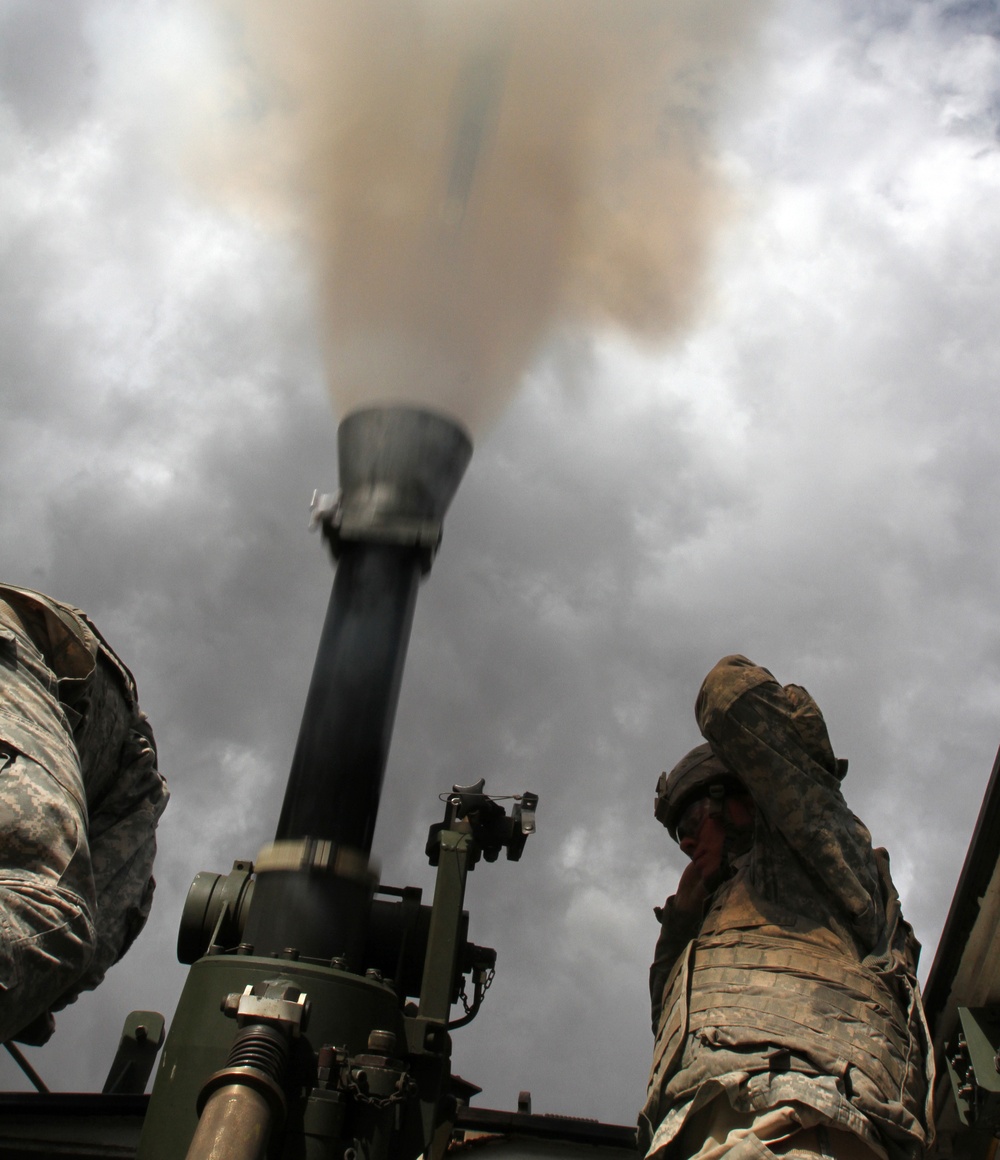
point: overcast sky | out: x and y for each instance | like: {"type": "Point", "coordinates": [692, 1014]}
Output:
{"type": "Point", "coordinates": [806, 474]}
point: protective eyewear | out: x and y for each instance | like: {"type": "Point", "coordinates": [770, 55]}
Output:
{"type": "Point", "coordinates": [689, 823]}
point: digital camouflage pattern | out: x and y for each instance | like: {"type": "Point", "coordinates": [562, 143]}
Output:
{"type": "Point", "coordinates": [691, 777]}
{"type": "Point", "coordinates": [80, 796]}
{"type": "Point", "coordinates": [796, 985]}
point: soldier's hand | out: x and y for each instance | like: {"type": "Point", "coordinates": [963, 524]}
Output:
{"type": "Point", "coordinates": [691, 891]}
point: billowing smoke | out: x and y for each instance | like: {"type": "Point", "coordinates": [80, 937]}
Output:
{"type": "Point", "coordinates": [469, 175]}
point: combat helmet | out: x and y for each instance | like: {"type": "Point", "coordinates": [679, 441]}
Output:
{"type": "Point", "coordinates": [695, 775]}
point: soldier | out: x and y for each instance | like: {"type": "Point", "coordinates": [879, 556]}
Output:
{"type": "Point", "coordinates": [785, 1004]}
{"type": "Point", "coordinates": [80, 796]}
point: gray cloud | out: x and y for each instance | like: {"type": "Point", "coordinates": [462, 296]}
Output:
{"type": "Point", "coordinates": [46, 65]}
{"type": "Point", "coordinates": [806, 476]}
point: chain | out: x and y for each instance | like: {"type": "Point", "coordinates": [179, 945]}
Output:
{"type": "Point", "coordinates": [463, 994]}
{"type": "Point", "coordinates": [405, 1087]}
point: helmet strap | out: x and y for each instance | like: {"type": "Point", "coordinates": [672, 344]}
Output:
{"type": "Point", "coordinates": [738, 839]}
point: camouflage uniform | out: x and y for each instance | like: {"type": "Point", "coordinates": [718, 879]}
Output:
{"type": "Point", "coordinates": [794, 993]}
{"type": "Point", "coordinates": [80, 796]}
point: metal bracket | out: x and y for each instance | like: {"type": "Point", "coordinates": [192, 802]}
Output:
{"type": "Point", "coordinates": [340, 525]}
{"type": "Point", "coordinates": [426, 1036]}
{"type": "Point", "coordinates": [142, 1037]}
{"type": "Point", "coordinates": [318, 856]}
{"type": "Point", "coordinates": [277, 1002]}
{"type": "Point", "coordinates": [973, 1061]}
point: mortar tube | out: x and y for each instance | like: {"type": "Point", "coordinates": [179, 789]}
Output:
{"type": "Point", "coordinates": [399, 469]}
{"type": "Point", "coordinates": [337, 770]}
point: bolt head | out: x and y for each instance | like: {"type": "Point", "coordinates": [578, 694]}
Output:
{"type": "Point", "coordinates": [382, 1042]}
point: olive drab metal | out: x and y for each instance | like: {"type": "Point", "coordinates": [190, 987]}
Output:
{"type": "Point", "coordinates": [293, 1035]}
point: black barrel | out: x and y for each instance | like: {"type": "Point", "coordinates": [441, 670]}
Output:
{"type": "Point", "coordinates": [399, 469]}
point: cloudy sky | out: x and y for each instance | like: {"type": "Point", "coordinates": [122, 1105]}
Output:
{"type": "Point", "coordinates": [805, 473]}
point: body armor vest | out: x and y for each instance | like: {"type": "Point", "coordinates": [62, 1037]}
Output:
{"type": "Point", "coordinates": [762, 981]}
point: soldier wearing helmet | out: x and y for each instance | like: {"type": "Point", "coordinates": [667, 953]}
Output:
{"type": "Point", "coordinates": [784, 999]}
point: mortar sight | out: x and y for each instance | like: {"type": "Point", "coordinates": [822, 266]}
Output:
{"type": "Point", "coordinates": [399, 470]}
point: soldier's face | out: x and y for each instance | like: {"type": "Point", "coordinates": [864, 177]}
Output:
{"type": "Point", "coordinates": [702, 834]}
{"type": "Point", "coordinates": [706, 845]}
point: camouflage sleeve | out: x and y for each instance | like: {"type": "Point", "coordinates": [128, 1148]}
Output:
{"type": "Point", "coordinates": [46, 892]}
{"type": "Point", "coordinates": [46, 883]}
{"type": "Point", "coordinates": [774, 739]}
{"type": "Point", "coordinates": [677, 928]}
{"type": "Point", "coordinates": [80, 796]}
{"type": "Point", "coordinates": [122, 850]}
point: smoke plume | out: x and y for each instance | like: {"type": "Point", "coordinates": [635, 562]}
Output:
{"type": "Point", "coordinates": [468, 175]}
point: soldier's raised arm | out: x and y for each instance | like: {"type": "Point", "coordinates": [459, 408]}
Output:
{"type": "Point", "coordinates": [775, 740]}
